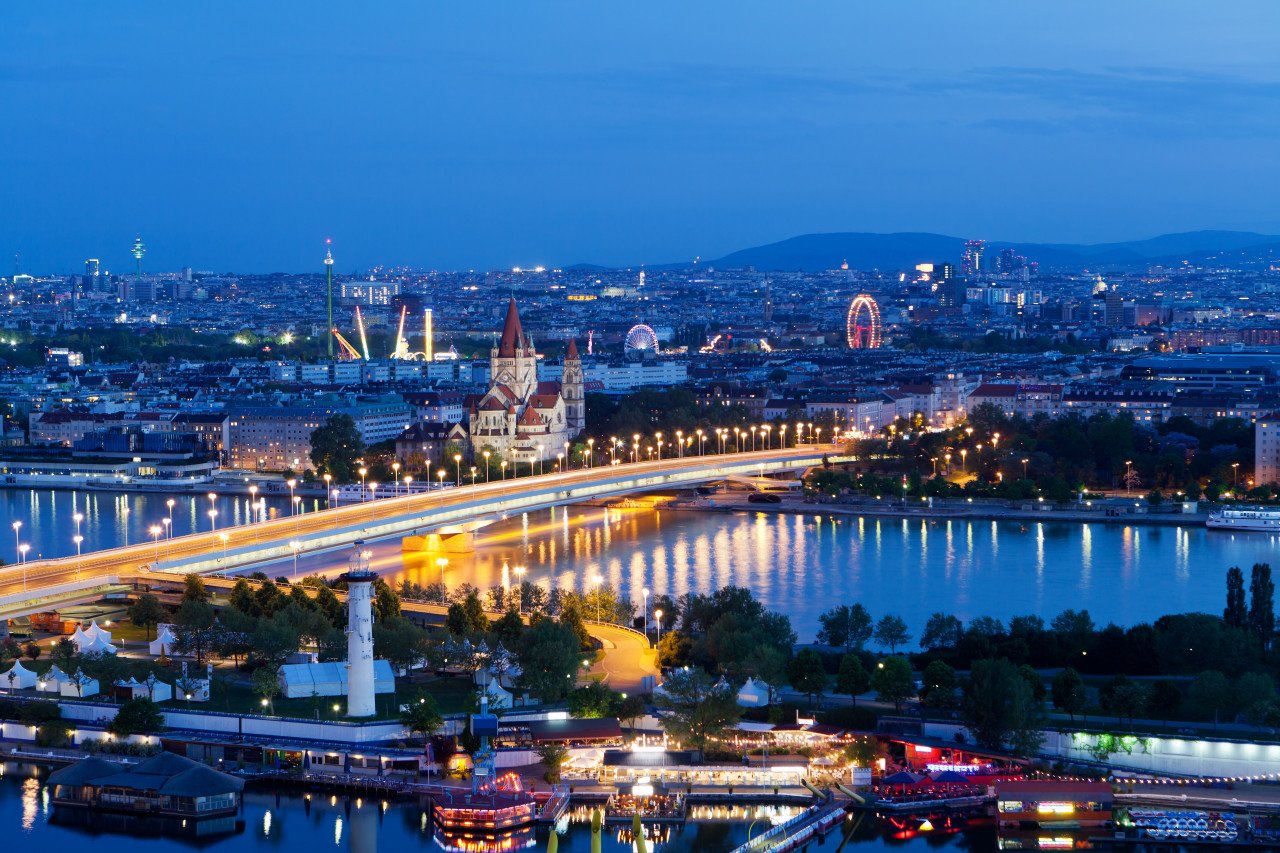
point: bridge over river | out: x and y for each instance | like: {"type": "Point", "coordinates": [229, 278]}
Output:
{"type": "Point", "coordinates": [48, 584]}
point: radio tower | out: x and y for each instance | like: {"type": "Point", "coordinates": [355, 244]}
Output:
{"type": "Point", "coordinates": [138, 251]}
{"type": "Point", "coordinates": [328, 274]}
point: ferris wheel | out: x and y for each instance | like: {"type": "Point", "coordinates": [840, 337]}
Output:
{"type": "Point", "coordinates": [640, 338]}
{"type": "Point", "coordinates": [862, 325]}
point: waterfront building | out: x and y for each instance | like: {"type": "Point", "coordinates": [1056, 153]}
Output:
{"type": "Point", "coordinates": [1266, 450]}
{"type": "Point", "coordinates": [279, 437]}
{"type": "Point", "coordinates": [1032, 803]}
{"type": "Point", "coordinates": [167, 784]}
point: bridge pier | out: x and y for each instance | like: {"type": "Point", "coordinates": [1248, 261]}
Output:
{"type": "Point", "coordinates": [447, 543]}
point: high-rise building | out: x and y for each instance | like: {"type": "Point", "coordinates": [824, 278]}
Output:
{"type": "Point", "coordinates": [1114, 314]}
{"type": "Point", "coordinates": [971, 260]}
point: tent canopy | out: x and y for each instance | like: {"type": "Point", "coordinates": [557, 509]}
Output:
{"type": "Point", "coordinates": [901, 778]}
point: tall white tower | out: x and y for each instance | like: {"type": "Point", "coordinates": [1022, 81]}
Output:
{"type": "Point", "coordinates": [360, 635]}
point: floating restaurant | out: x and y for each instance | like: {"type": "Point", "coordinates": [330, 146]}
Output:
{"type": "Point", "coordinates": [168, 785]}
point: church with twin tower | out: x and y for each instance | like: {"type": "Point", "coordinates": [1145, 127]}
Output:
{"type": "Point", "coordinates": [520, 418]}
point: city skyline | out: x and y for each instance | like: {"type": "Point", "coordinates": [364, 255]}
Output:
{"type": "Point", "coordinates": [442, 139]}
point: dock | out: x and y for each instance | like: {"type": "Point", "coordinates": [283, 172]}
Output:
{"type": "Point", "coordinates": [811, 823]}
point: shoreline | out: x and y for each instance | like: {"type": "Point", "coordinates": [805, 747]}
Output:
{"type": "Point", "coordinates": [975, 512]}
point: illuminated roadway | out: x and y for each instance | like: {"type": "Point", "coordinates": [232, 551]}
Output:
{"type": "Point", "coordinates": [45, 584]}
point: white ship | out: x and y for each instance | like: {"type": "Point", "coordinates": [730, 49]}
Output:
{"type": "Point", "coordinates": [1266, 520]}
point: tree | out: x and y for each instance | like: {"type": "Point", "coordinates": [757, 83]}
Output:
{"type": "Point", "coordinates": [147, 612]}
{"type": "Point", "coordinates": [942, 631]}
{"type": "Point", "coordinates": [891, 632]}
{"type": "Point", "coordinates": [571, 618]}
{"type": "Point", "coordinates": [805, 673]}
{"type": "Point", "coordinates": [549, 658]}
{"type": "Point", "coordinates": [65, 654]}
{"type": "Point", "coordinates": [335, 446]}
{"type": "Point", "coordinates": [274, 639]}
{"type": "Point", "coordinates": [552, 755]}
{"type": "Point", "coordinates": [699, 710]}
{"type": "Point", "coordinates": [845, 627]}
{"type": "Point", "coordinates": [674, 649]}
{"type": "Point", "coordinates": [402, 643]}
{"type": "Point", "coordinates": [852, 677]}
{"type": "Point", "coordinates": [1237, 610]}
{"type": "Point", "coordinates": [1074, 628]}
{"type": "Point", "coordinates": [1254, 688]}
{"type": "Point", "coordinates": [242, 598]}
{"type": "Point", "coordinates": [31, 650]}
{"type": "Point", "coordinates": [138, 715]}
{"type": "Point", "coordinates": [592, 700]}
{"type": "Point", "coordinates": [193, 628]}
{"type": "Point", "coordinates": [1130, 699]}
{"type": "Point", "coordinates": [940, 683]}
{"type": "Point", "coordinates": [1209, 695]}
{"type": "Point", "coordinates": [266, 685]}
{"type": "Point", "coordinates": [999, 707]}
{"type": "Point", "coordinates": [422, 715]}
{"type": "Point", "coordinates": [1166, 699]}
{"type": "Point", "coordinates": [386, 604]}
{"type": "Point", "coordinates": [193, 589]}
{"type": "Point", "coordinates": [631, 709]}
{"type": "Point", "coordinates": [1069, 693]}
{"type": "Point", "coordinates": [892, 681]}
{"type": "Point", "coordinates": [1262, 613]}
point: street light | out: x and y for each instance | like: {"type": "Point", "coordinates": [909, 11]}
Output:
{"type": "Point", "coordinates": [440, 476]}
{"type": "Point", "coordinates": [457, 461]}
{"type": "Point", "coordinates": [155, 531]}
{"type": "Point", "coordinates": [292, 484]}
{"type": "Point", "coordinates": [520, 571]}
{"type": "Point", "coordinates": [657, 618]}
{"type": "Point", "coordinates": [1128, 466]}
{"type": "Point", "coordinates": [395, 469]}
{"type": "Point", "coordinates": [78, 517]}
{"type": "Point", "coordinates": [645, 593]}
{"type": "Point", "coordinates": [485, 454]}
{"type": "Point", "coordinates": [22, 558]}
{"type": "Point", "coordinates": [17, 525]}
{"type": "Point", "coordinates": [597, 580]}
{"type": "Point", "coordinates": [363, 473]}
{"type": "Point", "coordinates": [168, 525]}
{"type": "Point", "coordinates": [753, 437]}
{"type": "Point", "coordinates": [213, 519]}
{"type": "Point", "coordinates": [295, 546]}
{"type": "Point", "coordinates": [442, 562]}
{"type": "Point", "coordinates": [503, 466]}
{"type": "Point", "coordinates": [224, 537]}
{"type": "Point", "coordinates": [1235, 470]}
{"type": "Point", "coordinates": [78, 539]}
{"type": "Point", "coordinates": [964, 454]}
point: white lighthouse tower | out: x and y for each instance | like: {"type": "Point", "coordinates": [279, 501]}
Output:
{"type": "Point", "coordinates": [360, 635]}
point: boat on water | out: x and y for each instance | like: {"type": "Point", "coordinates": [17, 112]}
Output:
{"type": "Point", "coordinates": [1262, 519]}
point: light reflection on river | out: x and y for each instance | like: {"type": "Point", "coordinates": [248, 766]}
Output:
{"type": "Point", "coordinates": [797, 564]}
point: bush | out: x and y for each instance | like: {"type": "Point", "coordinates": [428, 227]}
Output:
{"type": "Point", "coordinates": [136, 716]}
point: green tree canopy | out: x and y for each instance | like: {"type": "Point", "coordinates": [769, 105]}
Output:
{"type": "Point", "coordinates": [335, 446]}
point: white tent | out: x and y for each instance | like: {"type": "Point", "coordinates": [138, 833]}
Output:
{"type": "Point", "coordinates": [18, 677]}
{"type": "Point", "coordinates": [753, 694]}
{"type": "Point", "coordinates": [95, 631]}
{"type": "Point", "coordinates": [52, 680]}
{"type": "Point", "coordinates": [80, 686]}
{"type": "Point", "coordinates": [163, 643]}
{"type": "Point", "coordinates": [80, 638]}
{"type": "Point", "coordinates": [499, 697]}
{"type": "Point", "coordinates": [155, 690]}
{"type": "Point", "coordinates": [303, 680]}
{"type": "Point", "coordinates": [97, 646]}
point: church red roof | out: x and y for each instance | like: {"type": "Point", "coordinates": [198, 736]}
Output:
{"type": "Point", "coordinates": [573, 349]}
{"type": "Point", "coordinates": [512, 334]}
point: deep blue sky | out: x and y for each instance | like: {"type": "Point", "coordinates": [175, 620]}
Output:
{"type": "Point", "coordinates": [237, 135]}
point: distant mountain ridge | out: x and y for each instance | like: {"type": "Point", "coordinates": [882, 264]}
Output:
{"type": "Point", "coordinates": [866, 250]}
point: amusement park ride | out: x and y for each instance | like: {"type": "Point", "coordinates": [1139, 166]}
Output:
{"type": "Point", "coordinates": [862, 325]}
{"type": "Point", "coordinates": [401, 352]}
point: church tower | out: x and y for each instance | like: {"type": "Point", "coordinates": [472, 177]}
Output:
{"type": "Point", "coordinates": [513, 362]}
{"type": "Point", "coordinates": [572, 389]}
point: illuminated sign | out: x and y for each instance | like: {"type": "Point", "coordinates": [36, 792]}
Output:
{"type": "Point", "coordinates": [956, 768]}
{"type": "Point", "coordinates": [1055, 808]}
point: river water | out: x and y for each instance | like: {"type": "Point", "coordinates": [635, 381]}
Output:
{"type": "Point", "coordinates": [271, 821]}
{"type": "Point", "coordinates": [797, 564]}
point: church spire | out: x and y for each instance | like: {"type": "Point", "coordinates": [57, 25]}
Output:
{"type": "Point", "coordinates": [573, 349]}
{"type": "Point", "coordinates": [512, 335]}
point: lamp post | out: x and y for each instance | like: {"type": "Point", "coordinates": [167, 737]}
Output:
{"type": "Point", "coordinates": [680, 443]}
{"type": "Point", "coordinates": [295, 546]}
{"type": "Point", "coordinates": [442, 562]}
{"type": "Point", "coordinates": [520, 571]}
{"type": "Point", "coordinates": [22, 558]}
{"type": "Point", "coordinates": [782, 435]}
{"type": "Point", "coordinates": [486, 465]}
{"type": "Point", "coordinates": [768, 429]}
{"type": "Point", "coordinates": [560, 462]}
{"type": "Point", "coordinates": [154, 530]}
{"type": "Point", "coordinates": [503, 466]}
{"type": "Point", "coordinates": [223, 537]}
{"type": "Point", "coordinates": [457, 462]}
{"type": "Point", "coordinates": [645, 593]}
{"type": "Point", "coordinates": [364, 472]}
{"type": "Point", "coordinates": [964, 454]}
{"type": "Point", "coordinates": [213, 519]}
{"type": "Point", "coordinates": [77, 518]}
{"type": "Point", "coordinates": [17, 525]}
{"type": "Point", "coordinates": [328, 485]}
{"type": "Point", "coordinates": [78, 539]}
{"type": "Point", "coordinates": [440, 476]}
{"type": "Point", "coordinates": [1235, 470]}
{"type": "Point", "coordinates": [408, 484]}
{"type": "Point", "coordinates": [635, 447]}
{"type": "Point", "coordinates": [473, 475]}
{"type": "Point", "coordinates": [395, 470]}
{"type": "Point", "coordinates": [168, 530]}
{"type": "Point", "coordinates": [753, 437]}
{"type": "Point", "coordinates": [168, 525]}
{"type": "Point", "coordinates": [1024, 467]}
{"type": "Point", "coordinates": [597, 580]}
{"type": "Point", "coordinates": [657, 619]}
{"type": "Point", "coordinates": [591, 453]}
{"type": "Point", "coordinates": [292, 484]}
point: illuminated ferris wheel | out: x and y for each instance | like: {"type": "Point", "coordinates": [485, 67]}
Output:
{"type": "Point", "coordinates": [862, 326]}
{"type": "Point", "coordinates": [640, 338]}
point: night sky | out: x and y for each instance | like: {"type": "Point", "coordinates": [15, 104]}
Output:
{"type": "Point", "coordinates": [238, 135]}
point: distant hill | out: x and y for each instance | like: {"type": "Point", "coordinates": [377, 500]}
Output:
{"type": "Point", "coordinates": [811, 252]}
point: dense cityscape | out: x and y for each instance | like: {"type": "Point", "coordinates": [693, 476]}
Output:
{"type": "Point", "coordinates": [728, 429]}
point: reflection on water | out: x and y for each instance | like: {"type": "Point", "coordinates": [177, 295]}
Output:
{"type": "Point", "coordinates": [802, 564]}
